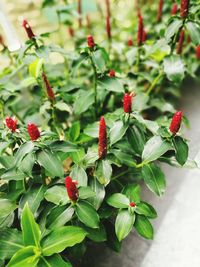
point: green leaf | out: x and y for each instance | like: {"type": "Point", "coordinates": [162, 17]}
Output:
{"type": "Point", "coordinates": [27, 164]}
{"type": "Point", "coordinates": [99, 193]}
{"type": "Point", "coordinates": [154, 148]}
{"type": "Point", "coordinates": [194, 31]}
{"type": "Point", "coordinates": [146, 209]}
{"type": "Point", "coordinates": [117, 132]}
{"type": "Point", "coordinates": [78, 61]}
{"type": "Point", "coordinates": [28, 256]}
{"type": "Point", "coordinates": [13, 174]}
{"type": "Point", "coordinates": [6, 207]}
{"type": "Point", "coordinates": [92, 130]}
{"type": "Point", "coordinates": [52, 261]}
{"type": "Point", "coordinates": [143, 227]}
{"type": "Point", "coordinates": [57, 194]}
{"type": "Point", "coordinates": [133, 192]}
{"type": "Point", "coordinates": [83, 101]}
{"type": "Point", "coordinates": [24, 149]}
{"type": "Point", "coordinates": [86, 192]}
{"type": "Point", "coordinates": [124, 224]}
{"type": "Point", "coordinates": [60, 219]}
{"type": "Point", "coordinates": [174, 68]}
{"type": "Point", "coordinates": [181, 149]}
{"type": "Point", "coordinates": [111, 84]}
{"type": "Point", "coordinates": [118, 200]}
{"type": "Point", "coordinates": [30, 229]}
{"type": "Point", "coordinates": [136, 139]}
{"type": "Point", "coordinates": [63, 107]}
{"type": "Point", "coordinates": [11, 242]}
{"type": "Point", "coordinates": [35, 67]}
{"type": "Point", "coordinates": [87, 214]}
{"type": "Point", "coordinates": [79, 174]}
{"type": "Point", "coordinates": [173, 28]}
{"type": "Point", "coordinates": [154, 178]}
{"type": "Point", "coordinates": [74, 131]}
{"type": "Point", "coordinates": [51, 163]}
{"type": "Point", "coordinates": [96, 235]}
{"type": "Point", "coordinates": [61, 238]}
{"type": "Point", "coordinates": [99, 60]}
{"type": "Point", "coordinates": [103, 172]}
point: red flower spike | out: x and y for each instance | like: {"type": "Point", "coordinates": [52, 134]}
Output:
{"type": "Point", "coordinates": [130, 42]}
{"type": "Point", "coordinates": [132, 204]}
{"type": "Point", "coordinates": [72, 189]}
{"type": "Point", "coordinates": [198, 52]}
{"type": "Point", "coordinates": [102, 146]}
{"type": "Point", "coordinates": [174, 9]}
{"type": "Point", "coordinates": [11, 124]}
{"type": "Point", "coordinates": [180, 42]}
{"type": "Point", "coordinates": [144, 36]}
{"type": "Point", "coordinates": [71, 31]}
{"type": "Point", "coordinates": [127, 103]}
{"type": "Point", "coordinates": [140, 30]}
{"type": "Point", "coordinates": [49, 89]}
{"type": "Point", "coordinates": [184, 9]}
{"type": "Point", "coordinates": [160, 9]}
{"type": "Point", "coordinates": [79, 12]}
{"type": "Point", "coordinates": [176, 122]}
{"type": "Point", "coordinates": [33, 131]}
{"type": "Point", "coordinates": [108, 7]}
{"type": "Point", "coordinates": [108, 27]}
{"type": "Point", "coordinates": [28, 29]}
{"type": "Point", "coordinates": [112, 73]}
{"type": "Point", "coordinates": [90, 41]}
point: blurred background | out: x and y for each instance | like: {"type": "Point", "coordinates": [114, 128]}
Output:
{"type": "Point", "coordinates": [177, 231]}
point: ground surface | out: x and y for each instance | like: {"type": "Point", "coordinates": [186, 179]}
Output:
{"type": "Point", "coordinates": [177, 228]}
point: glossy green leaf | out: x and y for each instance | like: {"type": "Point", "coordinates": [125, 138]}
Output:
{"type": "Point", "coordinates": [173, 28]}
{"type": "Point", "coordinates": [118, 200]}
{"type": "Point", "coordinates": [24, 149]}
{"type": "Point", "coordinates": [61, 238]}
{"type": "Point", "coordinates": [86, 192]}
{"type": "Point", "coordinates": [181, 150]}
{"type": "Point", "coordinates": [99, 193]}
{"type": "Point", "coordinates": [146, 209]}
{"type": "Point", "coordinates": [53, 261]}
{"type": "Point", "coordinates": [35, 67]}
{"type": "Point", "coordinates": [7, 207]}
{"type": "Point", "coordinates": [96, 235]}
{"type": "Point", "coordinates": [80, 175]}
{"type": "Point", "coordinates": [133, 192]}
{"type": "Point", "coordinates": [194, 31]}
{"type": "Point", "coordinates": [59, 219]}
{"type": "Point", "coordinates": [143, 227]}
{"type": "Point", "coordinates": [57, 194]}
{"type": "Point", "coordinates": [174, 68]}
{"type": "Point", "coordinates": [136, 139]}
{"type": "Point", "coordinates": [83, 101]}
{"type": "Point", "coordinates": [124, 224]}
{"type": "Point", "coordinates": [111, 84]}
{"type": "Point", "coordinates": [103, 172]}
{"type": "Point", "coordinates": [117, 132]}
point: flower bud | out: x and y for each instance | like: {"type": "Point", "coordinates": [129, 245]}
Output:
{"type": "Point", "coordinates": [140, 30]}
{"type": "Point", "coordinates": [33, 131]}
{"type": "Point", "coordinates": [176, 122]}
{"type": "Point", "coordinates": [174, 9]}
{"type": "Point", "coordinates": [112, 73]}
{"type": "Point", "coordinates": [184, 10]}
{"type": "Point", "coordinates": [11, 124]}
{"type": "Point", "coordinates": [130, 42]}
{"type": "Point", "coordinates": [49, 89]}
{"type": "Point", "coordinates": [90, 41]}
{"type": "Point", "coordinates": [132, 204]}
{"type": "Point", "coordinates": [127, 103]}
{"type": "Point", "coordinates": [102, 146]}
{"type": "Point", "coordinates": [71, 187]}
{"type": "Point", "coordinates": [28, 29]}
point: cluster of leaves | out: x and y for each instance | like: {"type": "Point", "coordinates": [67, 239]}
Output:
{"type": "Point", "coordinates": [39, 224]}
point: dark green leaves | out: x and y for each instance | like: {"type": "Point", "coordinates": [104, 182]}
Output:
{"type": "Point", "coordinates": [6, 207]}
{"type": "Point", "coordinates": [103, 172]}
{"type": "Point", "coordinates": [143, 227]}
{"type": "Point", "coordinates": [83, 101]}
{"type": "Point", "coordinates": [117, 132]}
{"type": "Point", "coordinates": [181, 150]}
{"type": "Point", "coordinates": [61, 238]}
{"type": "Point", "coordinates": [154, 178]}
{"type": "Point", "coordinates": [57, 194]}
{"type": "Point", "coordinates": [146, 209]}
{"type": "Point", "coordinates": [111, 84]}
{"type": "Point", "coordinates": [118, 200]}
{"type": "Point", "coordinates": [124, 224]}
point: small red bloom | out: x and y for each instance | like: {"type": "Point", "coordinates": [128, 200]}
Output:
{"type": "Point", "coordinates": [184, 10]}
{"type": "Point", "coordinates": [180, 42]}
{"type": "Point", "coordinates": [90, 41]}
{"type": "Point", "coordinates": [49, 89]}
{"type": "Point", "coordinates": [127, 103]}
{"type": "Point", "coordinates": [108, 27]}
{"type": "Point", "coordinates": [132, 204]}
{"type": "Point", "coordinates": [174, 9]}
{"type": "Point", "coordinates": [71, 31]}
{"type": "Point", "coordinates": [28, 29]}
{"type": "Point", "coordinates": [102, 138]}
{"type": "Point", "coordinates": [160, 8]}
{"type": "Point", "coordinates": [144, 36]}
{"type": "Point", "coordinates": [198, 52]}
{"type": "Point", "coordinates": [11, 124]}
{"type": "Point", "coordinates": [130, 42]}
{"type": "Point", "coordinates": [140, 30]}
{"type": "Point", "coordinates": [176, 122]}
{"type": "Point", "coordinates": [112, 73]}
{"type": "Point", "coordinates": [33, 131]}
{"type": "Point", "coordinates": [72, 189]}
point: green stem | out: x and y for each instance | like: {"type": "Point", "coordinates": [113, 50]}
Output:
{"type": "Point", "coordinates": [154, 83]}
{"type": "Point", "coordinates": [120, 174]}
{"type": "Point", "coordinates": [95, 85]}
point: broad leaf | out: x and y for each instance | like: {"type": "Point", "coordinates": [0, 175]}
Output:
{"type": "Point", "coordinates": [57, 220]}
{"type": "Point", "coordinates": [35, 67]}
{"type": "Point", "coordinates": [52, 261]}
{"type": "Point", "coordinates": [79, 174]}
{"type": "Point", "coordinates": [57, 194]}
{"type": "Point", "coordinates": [146, 209]}
{"type": "Point", "coordinates": [6, 207]}
{"type": "Point", "coordinates": [118, 200]}
{"type": "Point", "coordinates": [24, 149]}
{"type": "Point", "coordinates": [117, 132]}
{"type": "Point", "coordinates": [99, 193]}
{"type": "Point", "coordinates": [124, 224]}
{"type": "Point", "coordinates": [174, 68]}
{"type": "Point", "coordinates": [194, 31]}
{"type": "Point", "coordinates": [103, 172]}
{"type": "Point", "coordinates": [181, 150]}
{"type": "Point", "coordinates": [143, 227]}
{"type": "Point", "coordinates": [83, 101]}
{"type": "Point", "coordinates": [111, 84]}
{"type": "Point", "coordinates": [173, 28]}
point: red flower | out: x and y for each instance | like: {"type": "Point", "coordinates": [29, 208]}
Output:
{"type": "Point", "coordinates": [198, 52]}
{"type": "Point", "coordinates": [72, 189]}
{"type": "Point", "coordinates": [102, 138]}
{"type": "Point", "coordinates": [140, 30]}
{"type": "Point", "coordinates": [184, 8]}
{"type": "Point", "coordinates": [11, 124]}
{"type": "Point", "coordinates": [174, 9]}
{"type": "Point", "coordinates": [132, 204]}
{"type": "Point", "coordinates": [112, 73]}
{"type": "Point", "coordinates": [49, 89]}
{"type": "Point", "coordinates": [160, 8]}
{"type": "Point", "coordinates": [130, 42]}
{"type": "Point", "coordinates": [176, 122]}
{"type": "Point", "coordinates": [33, 131]}
{"type": "Point", "coordinates": [79, 12]}
{"type": "Point", "coordinates": [144, 36]}
{"type": "Point", "coordinates": [127, 103]}
{"type": "Point", "coordinates": [108, 28]}
{"type": "Point", "coordinates": [71, 31]}
{"type": "Point", "coordinates": [28, 29]}
{"type": "Point", "coordinates": [180, 42]}
{"type": "Point", "coordinates": [90, 41]}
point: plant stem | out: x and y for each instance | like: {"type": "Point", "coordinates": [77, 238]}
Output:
{"type": "Point", "coordinates": [95, 85]}
{"type": "Point", "coordinates": [155, 81]}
